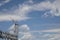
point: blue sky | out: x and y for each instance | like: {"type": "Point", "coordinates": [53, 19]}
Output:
{"type": "Point", "coordinates": [40, 18]}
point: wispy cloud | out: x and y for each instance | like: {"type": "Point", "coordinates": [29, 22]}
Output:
{"type": "Point", "coordinates": [53, 7]}
{"type": "Point", "coordinates": [18, 14]}
{"type": "Point", "coordinates": [24, 9]}
{"type": "Point", "coordinates": [51, 30]}
{"type": "Point", "coordinates": [4, 2]}
{"type": "Point", "coordinates": [10, 17]}
{"type": "Point", "coordinates": [21, 12]}
{"type": "Point", "coordinates": [50, 34]}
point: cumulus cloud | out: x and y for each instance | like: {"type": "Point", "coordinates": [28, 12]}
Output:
{"type": "Point", "coordinates": [24, 30]}
{"type": "Point", "coordinates": [37, 35]}
{"type": "Point", "coordinates": [26, 34]}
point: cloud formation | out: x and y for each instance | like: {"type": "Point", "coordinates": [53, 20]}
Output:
{"type": "Point", "coordinates": [20, 13]}
{"type": "Point", "coordinates": [51, 34]}
{"type": "Point", "coordinates": [26, 34]}
{"type": "Point", "coordinates": [24, 28]}
{"type": "Point", "coordinates": [51, 30]}
{"type": "Point", "coordinates": [23, 9]}
{"type": "Point", "coordinates": [10, 17]}
{"type": "Point", "coordinates": [17, 14]}
{"type": "Point", "coordinates": [24, 31]}
{"type": "Point", "coordinates": [4, 2]}
{"type": "Point", "coordinates": [51, 8]}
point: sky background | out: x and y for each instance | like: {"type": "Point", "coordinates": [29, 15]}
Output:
{"type": "Point", "coordinates": [37, 19]}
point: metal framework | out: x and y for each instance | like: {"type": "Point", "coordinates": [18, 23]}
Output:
{"type": "Point", "coordinates": [7, 36]}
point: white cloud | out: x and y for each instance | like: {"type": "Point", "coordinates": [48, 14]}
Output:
{"type": "Point", "coordinates": [24, 9]}
{"type": "Point", "coordinates": [46, 5]}
{"type": "Point", "coordinates": [51, 30]}
{"type": "Point", "coordinates": [30, 1]}
{"type": "Point", "coordinates": [42, 6]}
{"type": "Point", "coordinates": [10, 17]}
{"type": "Point", "coordinates": [18, 14]}
{"type": "Point", "coordinates": [4, 2]}
{"type": "Point", "coordinates": [54, 7]}
{"type": "Point", "coordinates": [7, 1]}
{"type": "Point", "coordinates": [21, 14]}
{"type": "Point", "coordinates": [24, 28]}
{"type": "Point", "coordinates": [26, 34]}
{"type": "Point", "coordinates": [52, 34]}
{"type": "Point", "coordinates": [48, 30]}
{"type": "Point", "coordinates": [43, 34]}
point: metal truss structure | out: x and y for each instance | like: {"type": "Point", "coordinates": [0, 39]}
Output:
{"type": "Point", "coordinates": [7, 36]}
